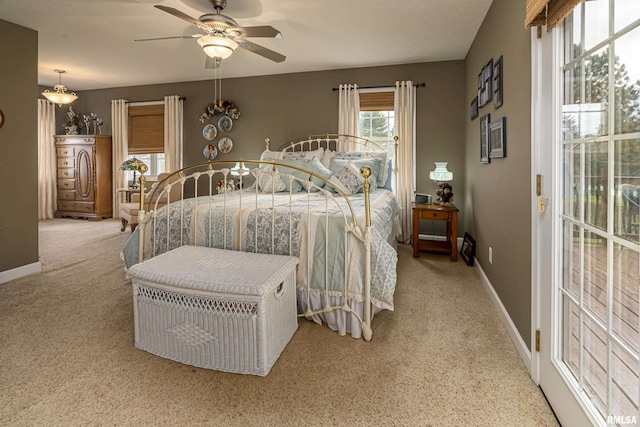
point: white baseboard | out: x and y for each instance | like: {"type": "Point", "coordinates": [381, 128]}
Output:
{"type": "Point", "coordinates": [516, 338]}
{"type": "Point", "coordinates": [18, 272]}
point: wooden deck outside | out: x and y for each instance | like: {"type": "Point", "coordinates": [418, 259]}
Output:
{"type": "Point", "coordinates": [625, 325]}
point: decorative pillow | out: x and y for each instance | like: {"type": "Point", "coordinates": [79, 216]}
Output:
{"type": "Point", "coordinates": [267, 183]}
{"type": "Point", "coordinates": [387, 184]}
{"type": "Point", "coordinates": [373, 164]}
{"type": "Point", "coordinates": [354, 155]}
{"type": "Point", "coordinates": [314, 165]}
{"type": "Point", "coordinates": [304, 154]}
{"type": "Point", "coordinates": [271, 155]}
{"type": "Point", "coordinates": [326, 159]}
{"type": "Point", "coordinates": [348, 179]}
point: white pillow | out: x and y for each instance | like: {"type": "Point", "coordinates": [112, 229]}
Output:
{"type": "Point", "coordinates": [271, 155]}
{"type": "Point", "coordinates": [348, 179]}
{"type": "Point", "coordinates": [326, 159]}
{"type": "Point", "coordinates": [308, 155]}
{"type": "Point", "coordinates": [268, 183]}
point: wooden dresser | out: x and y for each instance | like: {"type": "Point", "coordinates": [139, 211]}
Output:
{"type": "Point", "coordinates": [84, 176]}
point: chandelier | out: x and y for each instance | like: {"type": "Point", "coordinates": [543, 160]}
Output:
{"type": "Point", "coordinates": [60, 96]}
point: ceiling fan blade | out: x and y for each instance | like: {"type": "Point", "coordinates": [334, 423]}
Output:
{"type": "Point", "coordinates": [176, 12]}
{"type": "Point", "coordinates": [258, 31]}
{"type": "Point", "coordinates": [194, 36]}
{"type": "Point", "coordinates": [261, 50]}
{"type": "Point", "coordinates": [211, 63]}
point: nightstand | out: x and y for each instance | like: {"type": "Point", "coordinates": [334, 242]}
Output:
{"type": "Point", "coordinates": [433, 212]}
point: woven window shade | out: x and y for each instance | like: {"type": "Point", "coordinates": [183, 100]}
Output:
{"type": "Point", "coordinates": [376, 101]}
{"type": "Point", "coordinates": [146, 129]}
{"type": "Point", "coordinates": [547, 12]}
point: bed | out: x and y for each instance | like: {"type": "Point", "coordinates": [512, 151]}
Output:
{"type": "Point", "coordinates": [325, 199]}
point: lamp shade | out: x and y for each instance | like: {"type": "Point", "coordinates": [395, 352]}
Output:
{"type": "Point", "coordinates": [217, 46]}
{"type": "Point", "coordinates": [239, 170]}
{"type": "Point", "coordinates": [134, 164]}
{"type": "Point", "coordinates": [441, 174]}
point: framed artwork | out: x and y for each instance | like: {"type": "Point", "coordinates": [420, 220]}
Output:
{"type": "Point", "coordinates": [473, 110]}
{"type": "Point", "coordinates": [497, 83]}
{"type": "Point", "coordinates": [468, 249]}
{"type": "Point", "coordinates": [210, 152]}
{"type": "Point", "coordinates": [485, 79]}
{"type": "Point", "coordinates": [225, 123]}
{"type": "Point", "coordinates": [1, 118]}
{"type": "Point", "coordinates": [497, 138]}
{"type": "Point", "coordinates": [209, 132]}
{"type": "Point", "coordinates": [484, 139]}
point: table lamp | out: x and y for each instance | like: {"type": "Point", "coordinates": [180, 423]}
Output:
{"type": "Point", "coordinates": [441, 176]}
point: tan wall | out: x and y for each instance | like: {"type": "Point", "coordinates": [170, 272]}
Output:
{"type": "Point", "coordinates": [18, 142]}
{"type": "Point", "coordinates": [499, 193]}
{"type": "Point", "coordinates": [287, 106]}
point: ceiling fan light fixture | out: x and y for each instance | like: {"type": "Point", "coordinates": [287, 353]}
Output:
{"type": "Point", "coordinates": [60, 96]}
{"type": "Point", "coordinates": [217, 46]}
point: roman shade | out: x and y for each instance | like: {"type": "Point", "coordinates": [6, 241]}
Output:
{"type": "Point", "coordinates": [547, 12]}
{"type": "Point", "coordinates": [146, 129]}
{"type": "Point", "coordinates": [376, 101]}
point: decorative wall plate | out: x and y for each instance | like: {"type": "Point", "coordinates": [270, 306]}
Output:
{"type": "Point", "coordinates": [1, 118]}
{"type": "Point", "coordinates": [210, 152]}
{"type": "Point", "coordinates": [209, 132]}
{"type": "Point", "coordinates": [225, 144]}
{"type": "Point", "coordinates": [225, 123]}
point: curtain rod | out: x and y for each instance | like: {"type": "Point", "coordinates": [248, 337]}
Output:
{"type": "Point", "coordinates": [380, 87]}
{"type": "Point", "coordinates": [182, 98]}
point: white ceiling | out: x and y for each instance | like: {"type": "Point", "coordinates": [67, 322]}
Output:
{"type": "Point", "coordinates": [94, 40]}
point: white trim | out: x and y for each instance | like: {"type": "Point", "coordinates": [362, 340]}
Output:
{"type": "Point", "coordinates": [516, 338]}
{"type": "Point", "coordinates": [18, 272]}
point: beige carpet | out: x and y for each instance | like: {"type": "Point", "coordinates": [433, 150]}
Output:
{"type": "Point", "coordinates": [443, 358]}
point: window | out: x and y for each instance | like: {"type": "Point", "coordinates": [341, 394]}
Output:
{"type": "Point", "coordinates": [377, 117]}
{"type": "Point", "coordinates": [146, 136]}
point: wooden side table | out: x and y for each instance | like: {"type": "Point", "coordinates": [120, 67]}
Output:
{"type": "Point", "coordinates": [423, 211]}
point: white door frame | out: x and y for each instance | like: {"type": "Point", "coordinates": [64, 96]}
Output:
{"type": "Point", "coordinates": [546, 371]}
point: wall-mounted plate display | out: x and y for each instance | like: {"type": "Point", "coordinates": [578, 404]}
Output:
{"type": "Point", "coordinates": [210, 152]}
{"type": "Point", "coordinates": [225, 123]}
{"type": "Point", "coordinates": [209, 132]}
{"type": "Point", "coordinates": [225, 144]}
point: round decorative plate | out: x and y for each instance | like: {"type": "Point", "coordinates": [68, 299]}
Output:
{"type": "Point", "coordinates": [225, 123]}
{"type": "Point", "coordinates": [210, 152]}
{"type": "Point", "coordinates": [209, 132]}
{"type": "Point", "coordinates": [225, 144]}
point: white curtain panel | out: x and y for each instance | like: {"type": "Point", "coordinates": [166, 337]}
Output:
{"type": "Point", "coordinates": [173, 136]}
{"type": "Point", "coordinates": [349, 112]}
{"type": "Point", "coordinates": [119, 135]}
{"type": "Point", "coordinates": [46, 159]}
{"type": "Point", "coordinates": [404, 109]}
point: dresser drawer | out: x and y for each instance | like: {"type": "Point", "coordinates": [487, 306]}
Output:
{"type": "Point", "coordinates": [66, 195]}
{"type": "Point", "coordinates": [436, 215]}
{"type": "Point", "coordinates": [66, 162]}
{"type": "Point", "coordinates": [75, 139]}
{"type": "Point", "coordinates": [66, 173]}
{"type": "Point", "coordinates": [66, 184]}
{"type": "Point", "coordinates": [65, 151]}
{"type": "Point", "coordinates": [72, 206]}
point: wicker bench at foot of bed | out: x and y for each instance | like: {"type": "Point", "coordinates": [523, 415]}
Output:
{"type": "Point", "coordinates": [217, 309]}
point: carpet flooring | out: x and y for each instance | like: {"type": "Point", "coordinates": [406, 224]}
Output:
{"type": "Point", "coordinates": [67, 357]}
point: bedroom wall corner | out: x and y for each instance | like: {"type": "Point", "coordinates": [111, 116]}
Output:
{"type": "Point", "coordinates": [498, 193]}
{"type": "Point", "coordinates": [19, 148]}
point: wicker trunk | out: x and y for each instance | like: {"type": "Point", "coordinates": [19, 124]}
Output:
{"type": "Point", "coordinates": [213, 308]}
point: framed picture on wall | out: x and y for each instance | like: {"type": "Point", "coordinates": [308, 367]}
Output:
{"type": "Point", "coordinates": [484, 139]}
{"type": "Point", "coordinates": [497, 83]}
{"type": "Point", "coordinates": [497, 138]}
{"type": "Point", "coordinates": [473, 110]}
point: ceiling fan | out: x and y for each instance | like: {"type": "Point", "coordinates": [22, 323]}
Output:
{"type": "Point", "coordinates": [222, 35]}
